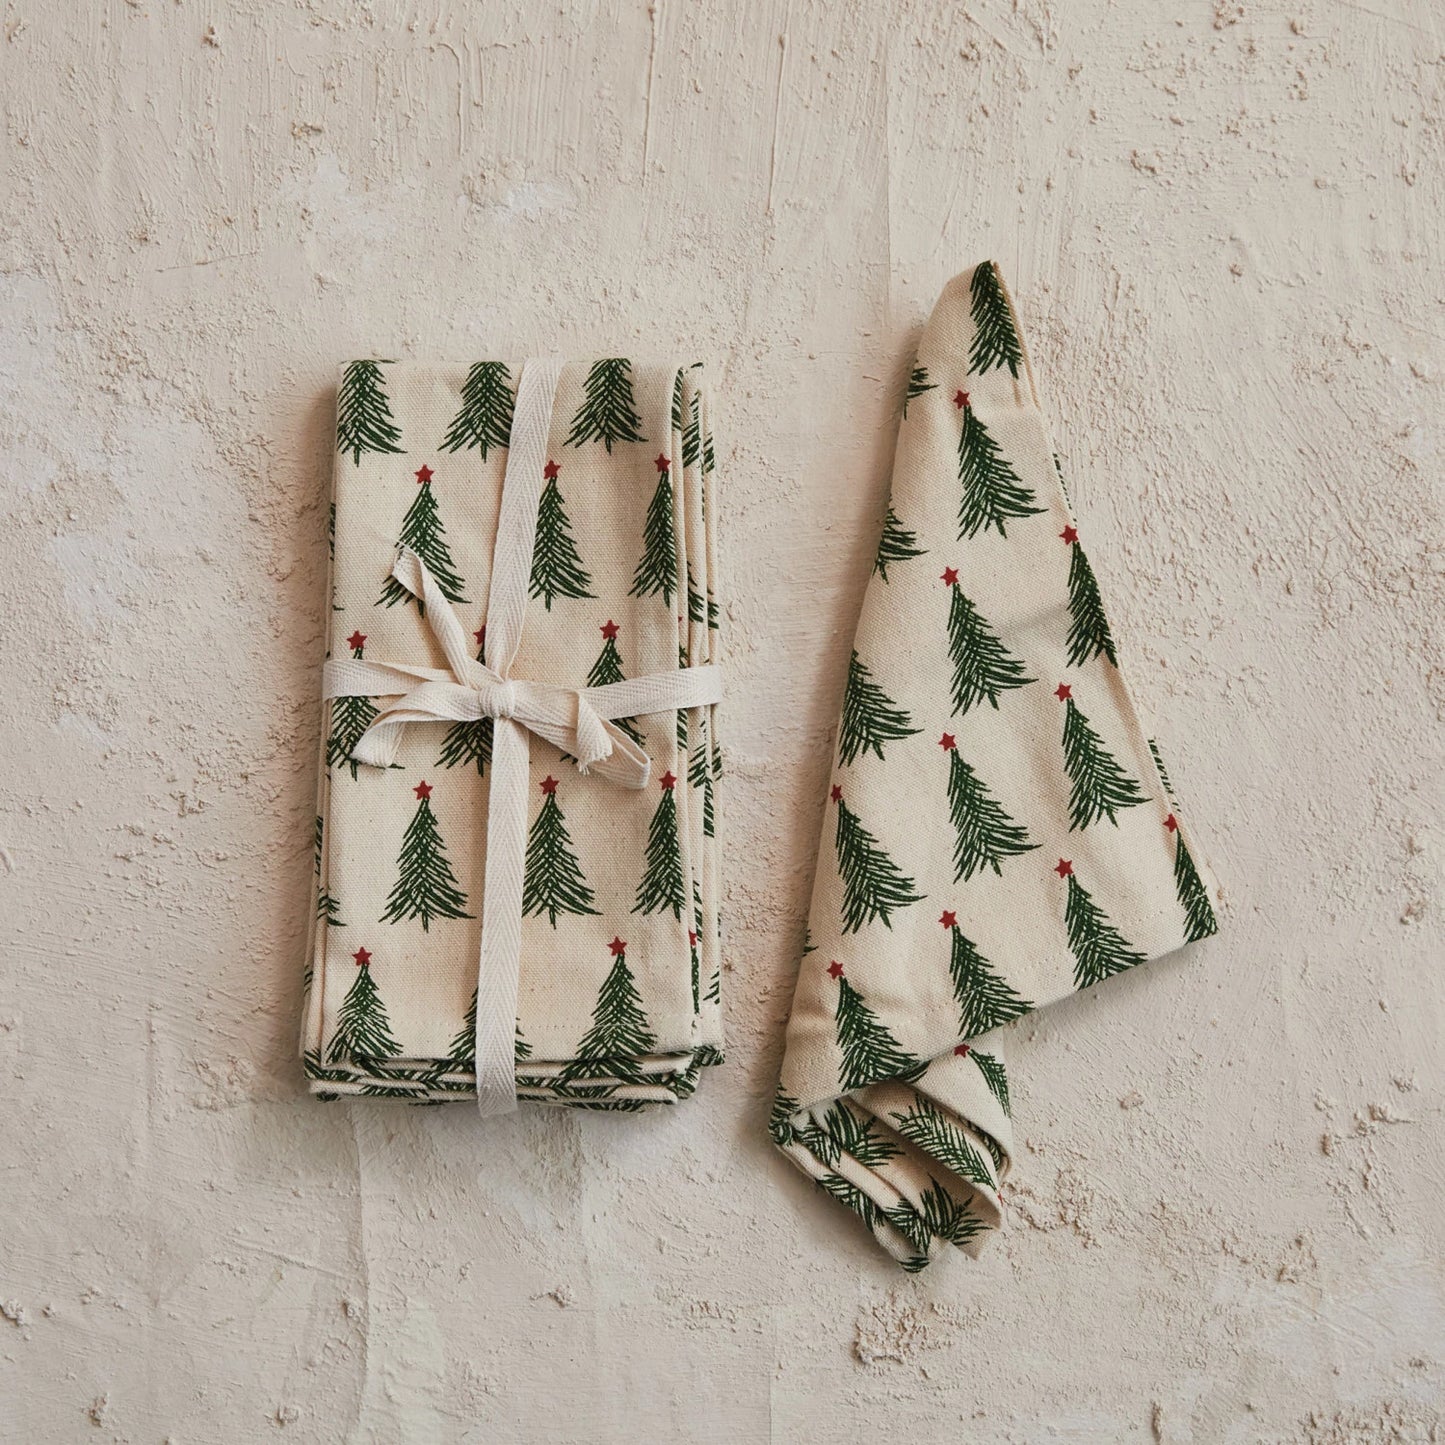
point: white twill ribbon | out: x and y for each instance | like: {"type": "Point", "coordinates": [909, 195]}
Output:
{"type": "Point", "coordinates": [576, 720]}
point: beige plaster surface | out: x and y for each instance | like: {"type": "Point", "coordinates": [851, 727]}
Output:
{"type": "Point", "coordinates": [1223, 224]}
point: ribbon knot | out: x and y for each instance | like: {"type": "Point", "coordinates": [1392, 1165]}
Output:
{"type": "Point", "coordinates": [579, 721]}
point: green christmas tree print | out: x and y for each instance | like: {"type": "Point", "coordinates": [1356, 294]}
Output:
{"type": "Point", "coordinates": [608, 412]}
{"type": "Point", "coordinates": [363, 414]}
{"type": "Point", "coordinates": [993, 492]}
{"type": "Point", "coordinates": [918, 383]}
{"type": "Point", "coordinates": [363, 1030]}
{"type": "Point", "coordinates": [485, 418]}
{"type": "Point", "coordinates": [607, 670]}
{"type": "Point", "coordinates": [326, 906]}
{"type": "Point", "coordinates": [870, 1053]}
{"type": "Point", "coordinates": [700, 774]}
{"type": "Point", "coordinates": [995, 1076]}
{"type": "Point", "coordinates": [469, 741]}
{"type": "Point", "coordinates": [557, 570]}
{"type": "Point", "coordinates": [554, 882]}
{"type": "Point", "coordinates": [897, 544]}
{"type": "Point", "coordinates": [662, 889]}
{"type": "Point", "coordinates": [870, 717]}
{"type": "Point", "coordinates": [462, 1051]}
{"type": "Point", "coordinates": [690, 425]}
{"type": "Point", "coordinates": [843, 1130]}
{"type": "Point", "coordinates": [996, 339]}
{"type": "Point", "coordinates": [422, 531]}
{"type": "Point", "coordinates": [983, 668]}
{"type": "Point", "coordinates": [984, 834]}
{"type": "Point", "coordinates": [657, 570]}
{"type": "Point", "coordinates": [619, 1032]}
{"type": "Point", "coordinates": [1089, 633]}
{"type": "Point", "coordinates": [1098, 947]}
{"type": "Point", "coordinates": [350, 717]}
{"type": "Point", "coordinates": [780, 1120]}
{"type": "Point", "coordinates": [930, 1130]}
{"type": "Point", "coordinates": [984, 999]}
{"type": "Point", "coordinates": [1199, 919]}
{"type": "Point", "coordinates": [1100, 787]}
{"type": "Point", "coordinates": [873, 885]}
{"type": "Point", "coordinates": [426, 887]}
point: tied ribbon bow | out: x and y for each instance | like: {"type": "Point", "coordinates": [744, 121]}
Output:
{"type": "Point", "coordinates": [576, 720]}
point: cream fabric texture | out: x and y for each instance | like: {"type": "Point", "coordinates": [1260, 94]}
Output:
{"type": "Point", "coordinates": [998, 832]}
{"type": "Point", "coordinates": [620, 1001]}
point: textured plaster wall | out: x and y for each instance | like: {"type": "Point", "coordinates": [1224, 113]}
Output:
{"type": "Point", "coordinates": [1223, 222]}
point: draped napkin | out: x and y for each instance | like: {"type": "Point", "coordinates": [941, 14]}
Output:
{"type": "Point", "coordinates": [999, 831]}
{"type": "Point", "coordinates": [576, 503]}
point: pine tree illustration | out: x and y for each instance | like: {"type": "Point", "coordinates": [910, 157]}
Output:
{"type": "Point", "coordinates": [426, 887]}
{"type": "Point", "coordinates": [995, 340]}
{"type": "Point", "coordinates": [607, 670]}
{"type": "Point", "coordinates": [842, 1130]}
{"type": "Point", "coordinates": [608, 412]}
{"type": "Point", "coordinates": [873, 884]}
{"type": "Point", "coordinates": [662, 888]}
{"type": "Point", "coordinates": [700, 775]}
{"type": "Point", "coordinates": [929, 1129]}
{"type": "Point", "coordinates": [363, 414]}
{"type": "Point", "coordinates": [422, 531]}
{"type": "Point", "coordinates": [1199, 919]}
{"type": "Point", "coordinates": [462, 1051]}
{"type": "Point", "coordinates": [469, 741]}
{"type": "Point", "coordinates": [657, 570]}
{"type": "Point", "coordinates": [1099, 949]}
{"type": "Point", "coordinates": [690, 426]}
{"type": "Point", "coordinates": [993, 492]}
{"type": "Point", "coordinates": [995, 1076]}
{"type": "Point", "coordinates": [897, 544]}
{"type": "Point", "coordinates": [1100, 786]}
{"type": "Point", "coordinates": [870, 1052]}
{"type": "Point", "coordinates": [557, 570]}
{"type": "Point", "coordinates": [918, 383]}
{"type": "Point", "coordinates": [554, 882]}
{"type": "Point", "coordinates": [870, 717]}
{"type": "Point", "coordinates": [485, 418]}
{"type": "Point", "coordinates": [619, 1034]}
{"type": "Point", "coordinates": [363, 1030]}
{"type": "Point", "coordinates": [1089, 633]}
{"type": "Point", "coordinates": [849, 1194]}
{"type": "Point", "coordinates": [984, 999]}
{"type": "Point", "coordinates": [326, 906]}
{"type": "Point", "coordinates": [350, 717]}
{"type": "Point", "coordinates": [982, 666]}
{"type": "Point", "coordinates": [780, 1121]}
{"type": "Point", "coordinates": [984, 834]}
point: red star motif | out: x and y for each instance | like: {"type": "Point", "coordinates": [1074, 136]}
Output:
{"type": "Point", "coordinates": [481, 635]}
{"type": "Point", "coordinates": [836, 794]}
{"type": "Point", "coordinates": [550, 470]}
{"type": "Point", "coordinates": [950, 576]}
{"type": "Point", "coordinates": [691, 938]}
{"type": "Point", "coordinates": [1070, 536]}
{"type": "Point", "coordinates": [617, 946]}
{"type": "Point", "coordinates": [947, 742]}
{"type": "Point", "coordinates": [1171, 822]}
{"type": "Point", "coordinates": [362, 957]}
{"type": "Point", "coordinates": [610, 629]}
{"type": "Point", "coordinates": [356, 641]}
{"type": "Point", "coordinates": [1063, 867]}
{"type": "Point", "coordinates": [1063, 692]}
{"type": "Point", "coordinates": [662, 463]}
{"type": "Point", "coordinates": [962, 1051]}
{"type": "Point", "coordinates": [960, 399]}
{"type": "Point", "coordinates": [835, 969]}
{"type": "Point", "coordinates": [424, 474]}
{"type": "Point", "coordinates": [422, 790]}
{"type": "Point", "coordinates": [668, 782]}
{"type": "Point", "coordinates": [549, 785]}
{"type": "Point", "coordinates": [949, 918]}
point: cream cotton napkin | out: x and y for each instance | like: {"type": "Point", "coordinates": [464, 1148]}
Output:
{"type": "Point", "coordinates": [998, 833]}
{"type": "Point", "coordinates": [617, 985]}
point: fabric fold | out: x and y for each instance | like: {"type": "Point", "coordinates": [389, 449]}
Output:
{"type": "Point", "coordinates": [998, 833]}
{"type": "Point", "coordinates": [618, 988]}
